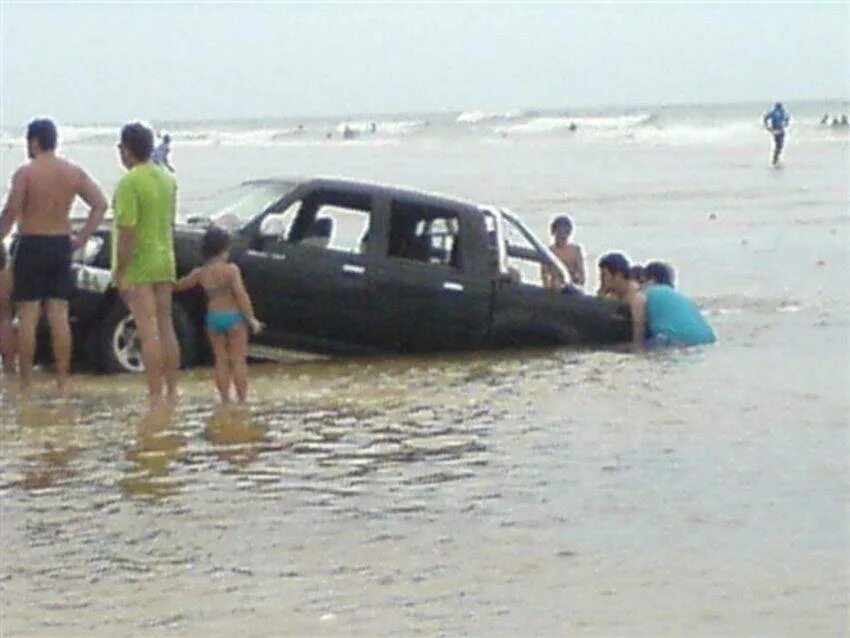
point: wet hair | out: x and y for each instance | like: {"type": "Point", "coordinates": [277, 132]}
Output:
{"type": "Point", "coordinates": [615, 263]}
{"type": "Point", "coordinates": [216, 241]}
{"type": "Point", "coordinates": [561, 221]}
{"type": "Point", "coordinates": [44, 131]}
{"type": "Point", "coordinates": [660, 273]}
{"type": "Point", "coordinates": [138, 139]}
{"type": "Point", "coordinates": [637, 273]}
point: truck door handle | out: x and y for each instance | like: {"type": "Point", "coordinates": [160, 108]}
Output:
{"type": "Point", "coordinates": [353, 269]}
{"type": "Point", "coordinates": [453, 286]}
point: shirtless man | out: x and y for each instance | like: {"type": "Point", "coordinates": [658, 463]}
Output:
{"type": "Point", "coordinates": [40, 200]}
{"type": "Point", "coordinates": [615, 280]}
{"type": "Point", "coordinates": [570, 255]}
{"type": "Point", "coordinates": [144, 267]}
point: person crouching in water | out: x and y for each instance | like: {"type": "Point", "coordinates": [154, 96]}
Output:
{"type": "Point", "coordinates": [660, 314]}
{"type": "Point", "coordinates": [570, 254]}
{"type": "Point", "coordinates": [229, 312]}
{"type": "Point", "coordinates": [8, 341]}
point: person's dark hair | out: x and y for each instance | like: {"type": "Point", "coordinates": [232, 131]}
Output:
{"type": "Point", "coordinates": [615, 263]}
{"type": "Point", "coordinates": [559, 221]}
{"type": "Point", "coordinates": [138, 139]}
{"type": "Point", "coordinates": [637, 273]}
{"type": "Point", "coordinates": [660, 273]}
{"type": "Point", "coordinates": [323, 226]}
{"type": "Point", "coordinates": [44, 131]}
{"type": "Point", "coordinates": [216, 241]}
{"type": "Point", "coordinates": [2, 256]}
{"type": "Point", "coordinates": [166, 138]}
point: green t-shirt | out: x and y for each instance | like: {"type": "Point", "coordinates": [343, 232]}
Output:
{"type": "Point", "coordinates": [145, 201]}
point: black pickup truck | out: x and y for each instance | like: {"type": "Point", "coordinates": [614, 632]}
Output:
{"type": "Point", "coordinates": [336, 265]}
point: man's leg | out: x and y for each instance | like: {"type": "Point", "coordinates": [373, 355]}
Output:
{"type": "Point", "coordinates": [142, 302]}
{"type": "Point", "coordinates": [28, 314]}
{"type": "Point", "coordinates": [60, 335]}
{"type": "Point", "coordinates": [170, 347]}
{"type": "Point", "coordinates": [778, 140]}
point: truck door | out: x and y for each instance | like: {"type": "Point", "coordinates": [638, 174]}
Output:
{"type": "Point", "coordinates": [427, 292]}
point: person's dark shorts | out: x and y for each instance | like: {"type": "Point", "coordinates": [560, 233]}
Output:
{"type": "Point", "coordinates": [42, 268]}
{"type": "Point", "coordinates": [779, 139]}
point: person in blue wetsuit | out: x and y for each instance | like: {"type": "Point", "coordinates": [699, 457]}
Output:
{"type": "Point", "coordinates": [776, 121]}
{"type": "Point", "coordinates": [671, 318]}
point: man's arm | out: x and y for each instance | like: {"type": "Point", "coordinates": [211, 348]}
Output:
{"type": "Point", "coordinates": [14, 203]}
{"type": "Point", "coordinates": [124, 254]}
{"type": "Point", "coordinates": [637, 305]}
{"type": "Point", "coordinates": [91, 194]}
{"type": "Point", "coordinates": [580, 274]}
{"type": "Point", "coordinates": [126, 217]}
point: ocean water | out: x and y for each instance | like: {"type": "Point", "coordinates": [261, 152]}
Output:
{"type": "Point", "coordinates": [543, 492]}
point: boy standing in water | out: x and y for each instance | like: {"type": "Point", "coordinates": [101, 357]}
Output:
{"type": "Point", "coordinates": [229, 312]}
{"type": "Point", "coordinates": [570, 255]}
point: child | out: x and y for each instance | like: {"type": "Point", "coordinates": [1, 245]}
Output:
{"type": "Point", "coordinates": [569, 254]}
{"type": "Point", "coordinates": [8, 349]}
{"type": "Point", "coordinates": [229, 312]}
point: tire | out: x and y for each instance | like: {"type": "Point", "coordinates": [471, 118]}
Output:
{"type": "Point", "coordinates": [117, 347]}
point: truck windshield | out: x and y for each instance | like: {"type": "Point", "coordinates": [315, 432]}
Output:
{"type": "Point", "coordinates": [235, 207]}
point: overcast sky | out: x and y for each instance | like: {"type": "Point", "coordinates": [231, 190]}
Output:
{"type": "Point", "coordinates": [111, 62]}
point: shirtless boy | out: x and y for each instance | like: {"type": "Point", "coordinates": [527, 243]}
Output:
{"type": "Point", "coordinates": [570, 255]}
{"type": "Point", "coordinates": [40, 199]}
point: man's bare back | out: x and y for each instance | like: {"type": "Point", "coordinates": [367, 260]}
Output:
{"type": "Point", "coordinates": [49, 185]}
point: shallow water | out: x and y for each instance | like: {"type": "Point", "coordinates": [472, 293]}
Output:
{"type": "Point", "coordinates": [700, 492]}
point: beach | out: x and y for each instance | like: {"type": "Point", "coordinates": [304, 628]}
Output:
{"type": "Point", "coordinates": [699, 492]}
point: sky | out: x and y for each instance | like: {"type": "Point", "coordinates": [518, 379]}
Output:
{"type": "Point", "coordinates": [109, 62]}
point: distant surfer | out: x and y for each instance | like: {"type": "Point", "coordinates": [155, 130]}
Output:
{"type": "Point", "coordinates": [776, 121]}
{"type": "Point", "coordinates": [160, 153]}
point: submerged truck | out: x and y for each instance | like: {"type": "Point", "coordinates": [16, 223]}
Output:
{"type": "Point", "coordinates": [341, 266]}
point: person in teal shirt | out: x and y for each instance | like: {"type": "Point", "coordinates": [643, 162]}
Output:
{"type": "Point", "coordinates": [671, 318]}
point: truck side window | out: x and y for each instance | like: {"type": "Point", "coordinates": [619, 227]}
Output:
{"type": "Point", "coordinates": [331, 219]}
{"type": "Point", "coordinates": [424, 233]}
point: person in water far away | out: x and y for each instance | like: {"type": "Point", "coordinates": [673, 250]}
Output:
{"type": "Point", "coordinates": [776, 121]}
{"type": "Point", "coordinates": [160, 153]}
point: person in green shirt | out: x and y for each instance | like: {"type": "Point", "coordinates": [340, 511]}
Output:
{"type": "Point", "coordinates": [143, 257]}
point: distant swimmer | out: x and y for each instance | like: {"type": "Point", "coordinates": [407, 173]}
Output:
{"type": "Point", "coordinates": [824, 119]}
{"type": "Point", "coordinates": [373, 128]}
{"type": "Point", "coordinates": [776, 121]}
{"type": "Point", "coordinates": [160, 153]}
{"type": "Point", "coordinates": [348, 133]}
{"type": "Point", "coordinates": [573, 126]}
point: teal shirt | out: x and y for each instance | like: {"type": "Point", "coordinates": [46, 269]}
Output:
{"type": "Point", "coordinates": [675, 317]}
